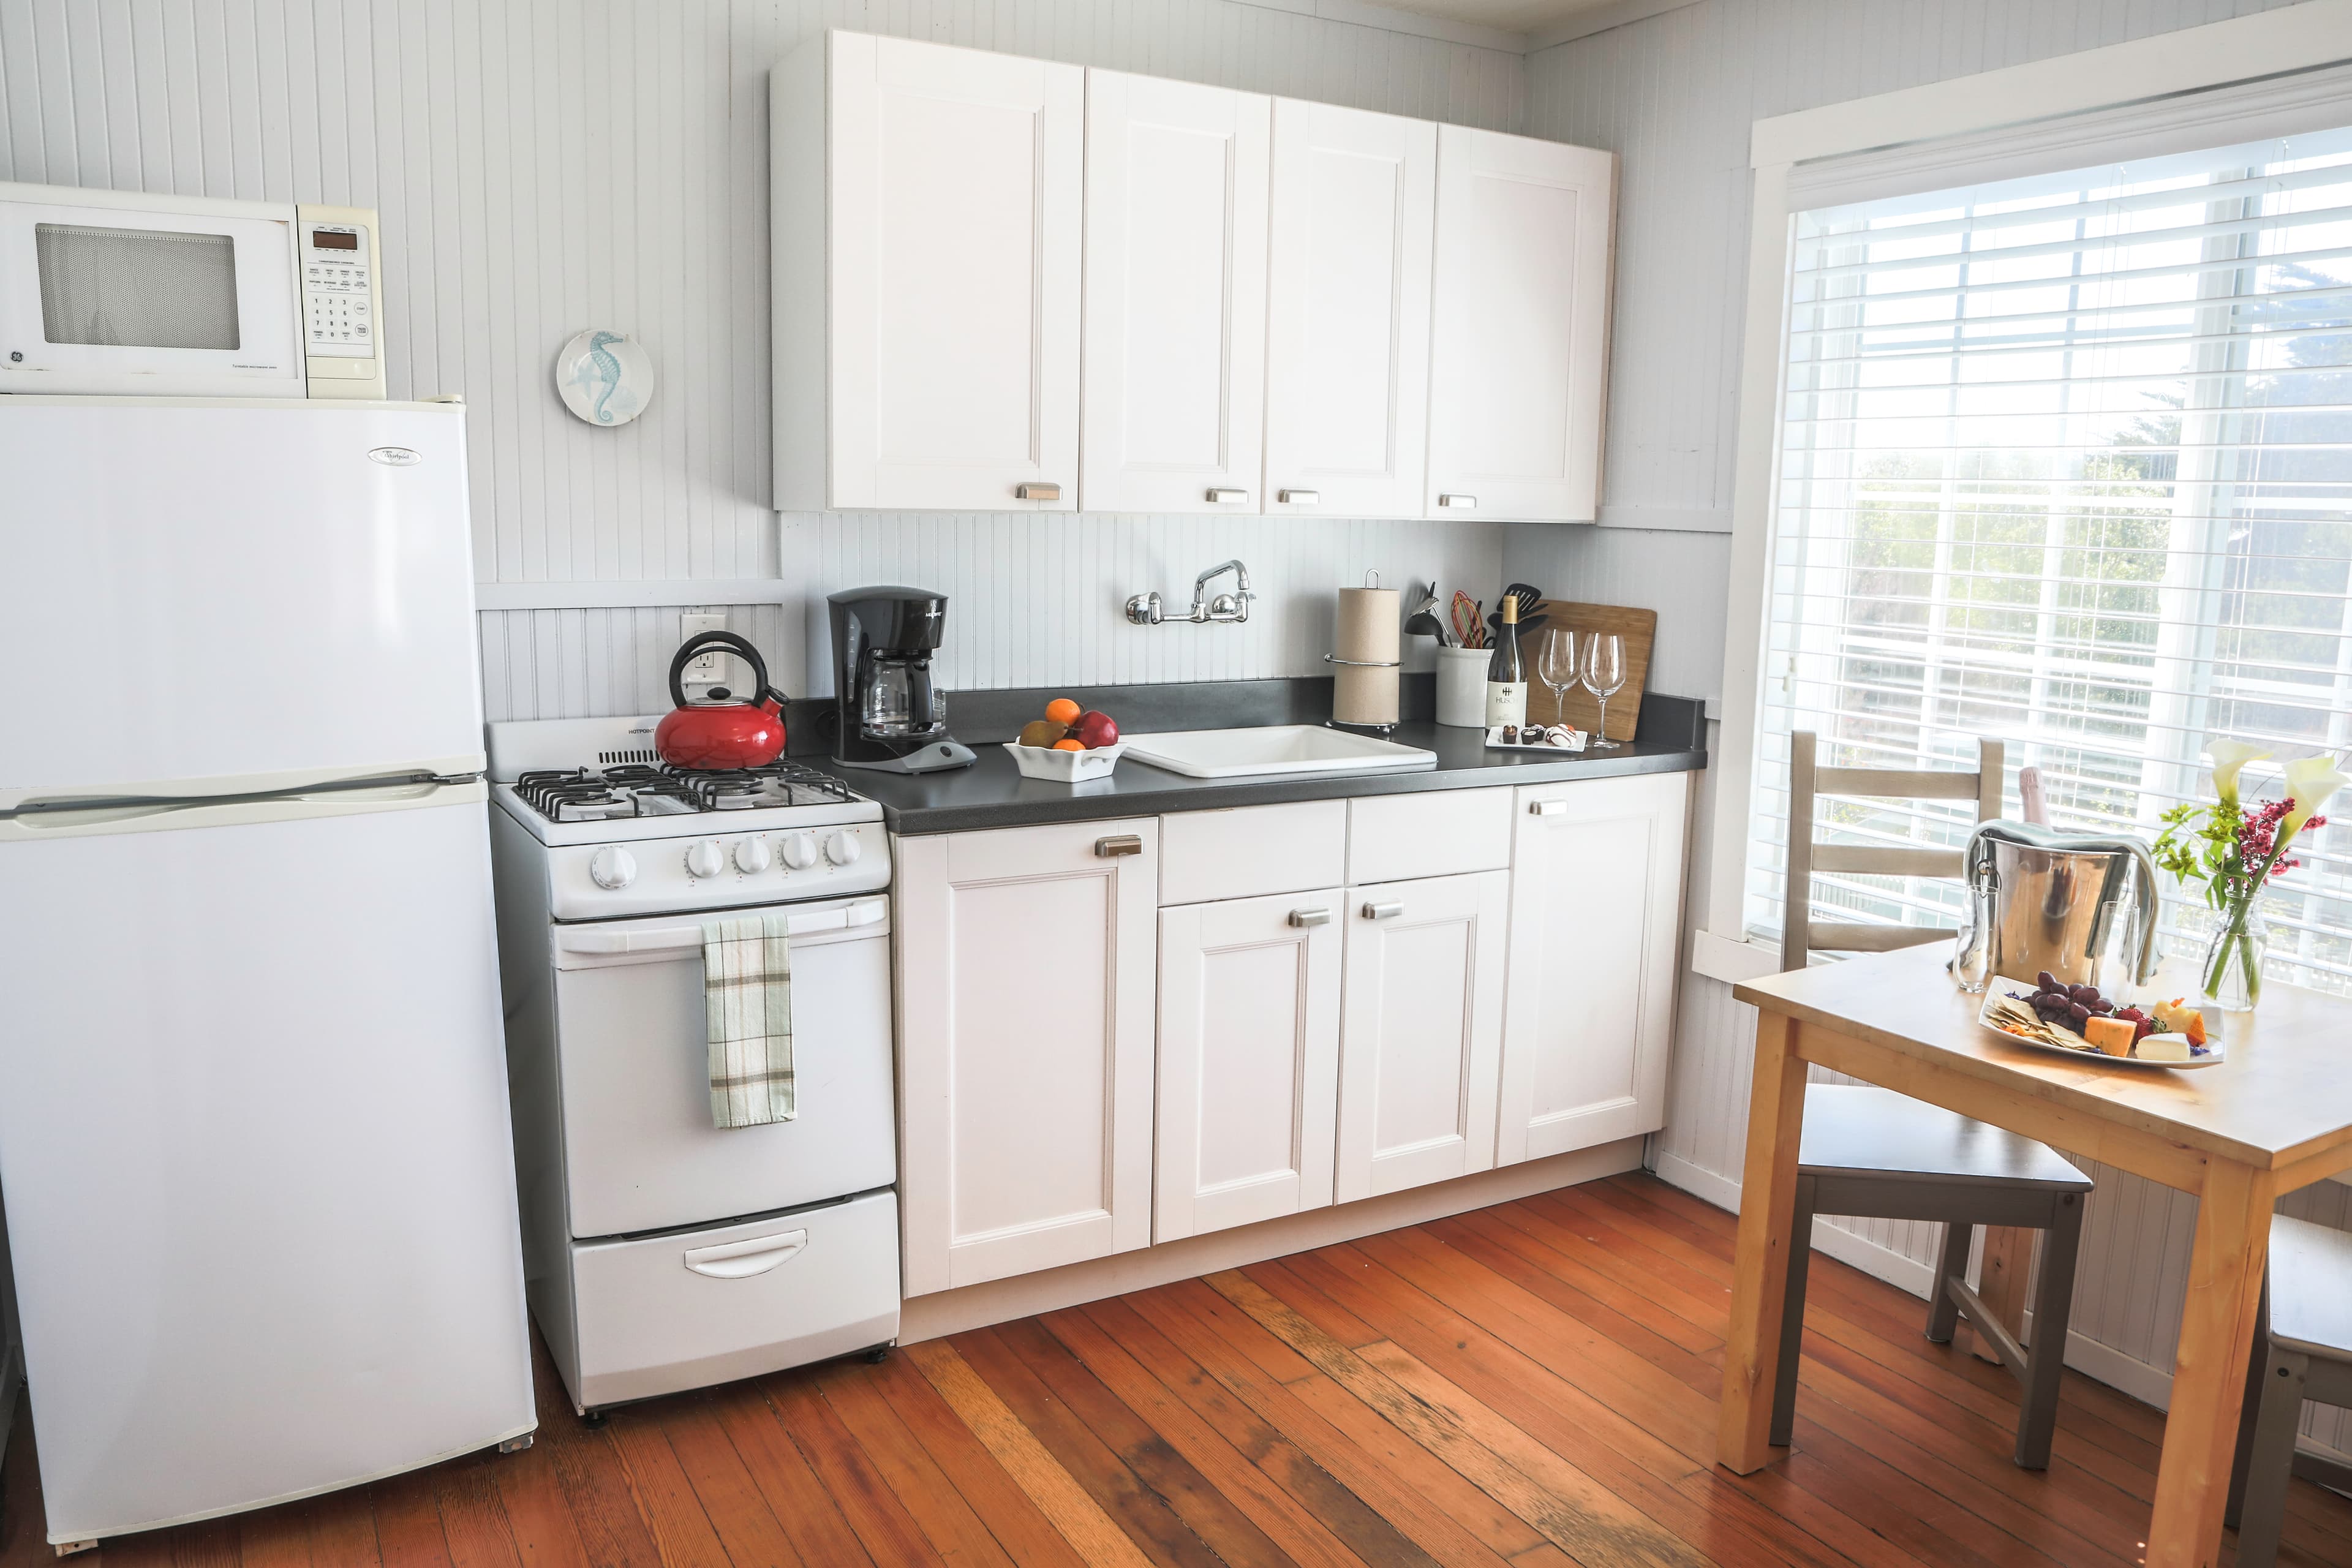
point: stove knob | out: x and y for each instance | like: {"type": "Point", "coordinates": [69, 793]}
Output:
{"type": "Point", "coordinates": [613, 866]}
{"type": "Point", "coordinates": [842, 848]}
{"type": "Point", "coordinates": [752, 857]}
{"type": "Point", "coordinates": [800, 851]}
{"type": "Point", "coordinates": [704, 860]}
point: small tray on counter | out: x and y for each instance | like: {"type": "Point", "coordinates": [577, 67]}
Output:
{"type": "Point", "coordinates": [1494, 742]}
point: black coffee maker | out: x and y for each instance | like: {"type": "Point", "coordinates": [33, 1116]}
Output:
{"type": "Point", "coordinates": [892, 716]}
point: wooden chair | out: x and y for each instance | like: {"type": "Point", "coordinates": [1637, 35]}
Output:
{"type": "Point", "coordinates": [1874, 1155]}
{"type": "Point", "coordinates": [2303, 1350]}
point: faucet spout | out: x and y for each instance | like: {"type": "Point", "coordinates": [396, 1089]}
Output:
{"type": "Point", "coordinates": [1230, 609]}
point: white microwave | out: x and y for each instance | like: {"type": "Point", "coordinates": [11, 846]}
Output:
{"type": "Point", "coordinates": [122, 293]}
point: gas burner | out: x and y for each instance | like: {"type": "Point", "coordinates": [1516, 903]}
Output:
{"type": "Point", "coordinates": [641, 789]}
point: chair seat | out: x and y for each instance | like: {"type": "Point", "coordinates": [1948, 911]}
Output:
{"type": "Point", "coordinates": [2311, 1288]}
{"type": "Point", "coordinates": [1854, 1129]}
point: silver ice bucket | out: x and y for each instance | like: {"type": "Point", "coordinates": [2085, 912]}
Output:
{"type": "Point", "coordinates": [2061, 900]}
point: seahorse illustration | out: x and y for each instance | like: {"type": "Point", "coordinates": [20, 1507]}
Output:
{"type": "Point", "coordinates": [608, 370]}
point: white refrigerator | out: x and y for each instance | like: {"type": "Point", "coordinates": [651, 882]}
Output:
{"type": "Point", "coordinates": [254, 1140]}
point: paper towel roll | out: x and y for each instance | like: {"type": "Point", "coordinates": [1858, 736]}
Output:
{"type": "Point", "coordinates": [1367, 641]}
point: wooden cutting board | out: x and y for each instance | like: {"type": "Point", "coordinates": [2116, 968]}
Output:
{"type": "Point", "coordinates": [1638, 627]}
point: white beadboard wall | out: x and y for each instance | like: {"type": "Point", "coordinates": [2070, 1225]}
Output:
{"type": "Point", "coordinates": [546, 165]}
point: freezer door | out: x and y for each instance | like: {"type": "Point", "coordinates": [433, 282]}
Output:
{"type": "Point", "coordinates": [217, 597]}
{"type": "Point", "coordinates": [254, 1135]}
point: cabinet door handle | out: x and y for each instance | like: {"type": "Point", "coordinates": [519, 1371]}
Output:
{"type": "Point", "coordinates": [1036, 492]}
{"type": "Point", "coordinates": [1302, 497]}
{"type": "Point", "coordinates": [1547, 808]}
{"type": "Point", "coordinates": [1382, 911]}
{"type": "Point", "coordinates": [1458, 501]}
{"type": "Point", "coordinates": [1121, 844]}
{"type": "Point", "coordinates": [1229, 498]}
{"type": "Point", "coordinates": [1310, 916]}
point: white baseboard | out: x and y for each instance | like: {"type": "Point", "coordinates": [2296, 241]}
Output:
{"type": "Point", "coordinates": [1026, 1295]}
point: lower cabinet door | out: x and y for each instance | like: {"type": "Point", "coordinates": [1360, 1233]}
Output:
{"type": "Point", "coordinates": [1421, 1028]}
{"type": "Point", "coordinates": [1596, 918]}
{"type": "Point", "coordinates": [1024, 985]}
{"type": "Point", "coordinates": [1249, 1060]}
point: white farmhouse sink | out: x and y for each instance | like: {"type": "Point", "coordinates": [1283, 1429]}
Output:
{"type": "Point", "coordinates": [1273, 748]}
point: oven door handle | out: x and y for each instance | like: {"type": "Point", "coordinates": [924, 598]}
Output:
{"type": "Point", "coordinates": [743, 1259]}
{"type": "Point", "coordinates": [682, 939]}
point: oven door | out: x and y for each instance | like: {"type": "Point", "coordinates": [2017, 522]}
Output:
{"type": "Point", "coordinates": [639, 1150]}
{"type": "Point", "coordinates": [149, 301]}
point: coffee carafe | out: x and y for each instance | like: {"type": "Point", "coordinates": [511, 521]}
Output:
{"type": "Point", "coordinates": [891, 715]}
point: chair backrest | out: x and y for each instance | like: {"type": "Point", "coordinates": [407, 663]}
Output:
{"type": "Point", "coordinates": [1801, 934]}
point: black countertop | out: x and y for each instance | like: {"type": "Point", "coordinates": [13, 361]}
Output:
{"type": "Point", "coordinates": [992, 793]}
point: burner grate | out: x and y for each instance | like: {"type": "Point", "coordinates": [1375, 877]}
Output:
{"type": "Point", "coordinates": [653, 788]}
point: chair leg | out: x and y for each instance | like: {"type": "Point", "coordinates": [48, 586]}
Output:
{"type": "Point", "coordinates": [1792, 1314]}
{"type": "Point", "coordinates": [2250, 1409]}
{"type": "Point", "coordinates": [1943, 1312]}
{"type": "Point", "coordinates": [2045, 1361]}
{"type": "Point", "coordinates": [2271, 1460]}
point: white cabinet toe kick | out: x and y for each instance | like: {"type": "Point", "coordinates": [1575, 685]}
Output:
{"type": "Point", "coordinates": [1250, 1014]}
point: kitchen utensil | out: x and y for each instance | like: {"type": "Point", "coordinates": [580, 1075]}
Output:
{"type": "Point", "coordinates": [1638, 630]}
{"type": "Point", "coordinates": [718, 733]}
{"type": "Point", "coordinates": [1602, 671]}
{"type": "Point", "coordinates": [2057, 897]}
{"type": "Point", "coordinates": [1530, 616]}
{"type": "Point", "coordinates": [1423, 622]}
{"type": "Point", "coordinates": [1469, 628]}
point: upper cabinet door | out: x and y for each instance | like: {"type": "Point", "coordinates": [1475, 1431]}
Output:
{"type": "Point", "coordinates": [1347, 383]}
{"type": "Point", "coordinates": [1518, 355]}
{"type": "Point", "coordinates": [955, 184]}
{"type": "Point", "coordinates": [1175, 295]}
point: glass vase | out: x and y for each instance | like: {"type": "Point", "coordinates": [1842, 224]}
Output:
{"type": "Point", "coordinates": [2233, 970]}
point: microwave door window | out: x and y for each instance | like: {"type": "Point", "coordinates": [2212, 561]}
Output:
{"type": "Point", "coordinates": [122, 287]}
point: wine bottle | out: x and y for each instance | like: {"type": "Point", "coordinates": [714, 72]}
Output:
{"type": "Point", "coordinates": [1506, 673]}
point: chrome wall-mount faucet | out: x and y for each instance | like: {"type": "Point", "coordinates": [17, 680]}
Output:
{"type": "Point", "coordinates": [1230, 609]}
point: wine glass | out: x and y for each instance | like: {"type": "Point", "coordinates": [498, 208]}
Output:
{"type": "Point", "coordinates": [1555, 668]}
{"type": "Point", "coordinates": [1602, 673]}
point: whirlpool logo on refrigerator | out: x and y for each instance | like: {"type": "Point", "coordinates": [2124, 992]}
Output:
{"type": "Point", "coordinates": [396, 457]}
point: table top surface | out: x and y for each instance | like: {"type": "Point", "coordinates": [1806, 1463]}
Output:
{"type": "Point", "coordinates": [2284, 1094]}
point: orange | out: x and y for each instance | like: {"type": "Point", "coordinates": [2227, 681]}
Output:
{"type": "Point", "coordinates": [1069, 745]}
{"type": "Point", "coordinates": [1061, 711]}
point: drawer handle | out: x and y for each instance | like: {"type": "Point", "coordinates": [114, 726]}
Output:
{"type": "Point", "coordinates": [1458, 501]}
{"type": "Point", "coordinates": [1383, 912]}
{"type": "Point", "coordinates": [745, 1259]}
{"type": "Point", "coordinates": [1228, 497]}
{"type": "Point", "coordinates": [1036, 492]}
{"type": "Point", "coordinates": [1547, 808]}
{"type": "Point", "coordinates": [1302, 497]}
{"type": "Point", "coordinates": [1123, 844]}
{"type": "Point", "coordinates": [1310, 916]}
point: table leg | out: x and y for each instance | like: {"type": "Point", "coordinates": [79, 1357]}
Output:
{"type": "Point", "coordinates": [1759, 1280]}
{"type": "Point", "coordinates": [2217, 1328]}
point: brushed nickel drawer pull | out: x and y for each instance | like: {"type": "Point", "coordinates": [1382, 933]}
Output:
{"type": "Point", "coordinates": [1547, 808]}
{"type": "Point", "coordinates": [1383, 912]}
{"type": "Point", "coordinates": [1302, 497]}
{"type": "Point", "coordinates": [1121, 844]}
{"type": "Point", "coordinates": [1459, 502]}
{"type": "Point", "coordinates": [1310, 916]}
{"type": "Point", "coordinates": [1229, 498]}
{"type": "Point", "coordinates": [1037, 492]}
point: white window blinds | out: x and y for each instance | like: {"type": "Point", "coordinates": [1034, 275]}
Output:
{"type": "Point", "coordinates": [2067, 461]}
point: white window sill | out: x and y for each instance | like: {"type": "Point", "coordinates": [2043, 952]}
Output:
{"type": "Point", "coordinates": [1731, 961]}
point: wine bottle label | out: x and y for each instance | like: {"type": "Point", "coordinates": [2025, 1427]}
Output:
{"type": "Point", "coordinates": [1506, 703]}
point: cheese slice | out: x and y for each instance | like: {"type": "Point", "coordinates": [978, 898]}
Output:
{"type": "Point", "coordinates": [2113, 1035]}
{"type": "Point", "coordinates": [2163, 1049]}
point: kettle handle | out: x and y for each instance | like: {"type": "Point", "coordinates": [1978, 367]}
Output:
{"type": "Point", "coordinates": [694, 647]}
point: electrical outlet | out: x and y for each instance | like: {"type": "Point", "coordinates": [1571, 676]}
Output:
{"type": "Point", "coordinates": [708, 668]}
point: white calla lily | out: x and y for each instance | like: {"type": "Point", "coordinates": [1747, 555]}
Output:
{"type": "Point", "coordinates": [2311, 784]}
{"type": "Point", "coordinates": [2228, 757]}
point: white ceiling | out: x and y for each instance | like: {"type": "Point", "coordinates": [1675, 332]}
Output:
{"type": "Point", "coordinates": [1510, 16]}
{"type": "Point", "coordinates": [1519, 25]}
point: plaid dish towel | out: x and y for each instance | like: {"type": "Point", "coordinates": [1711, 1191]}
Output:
{"type": "Point", "coordinates": [747, 1003]}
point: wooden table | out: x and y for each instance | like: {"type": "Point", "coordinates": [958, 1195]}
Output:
{"type": "Point", "coordinates": [2277, 1115]}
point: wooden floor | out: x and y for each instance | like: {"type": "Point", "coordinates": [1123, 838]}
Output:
{"type": "Point", "coordinates": [1534, 1384]}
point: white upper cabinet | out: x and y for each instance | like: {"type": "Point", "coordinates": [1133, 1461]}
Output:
{"type": "Point", "coordinates": [1347, 384]}
{"type": "Point", "coordinates": [926, 243]}
{"type": "Point", "coordinates": [1518, 354]}
{"type": "Point", "coordinates": [1175, 295]}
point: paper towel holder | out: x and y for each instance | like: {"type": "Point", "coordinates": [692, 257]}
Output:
{"type": "Point", "coordinates": [1371, 580]}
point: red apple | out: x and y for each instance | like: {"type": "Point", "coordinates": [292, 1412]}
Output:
{"type": "Point", "coordinates": [1095, 730]}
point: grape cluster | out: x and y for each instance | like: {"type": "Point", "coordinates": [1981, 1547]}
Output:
{"type": "Point", "coordinates": [2075, 1005]}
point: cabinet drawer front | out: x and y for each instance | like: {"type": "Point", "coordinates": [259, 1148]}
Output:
{"type": "Point", "coordinates": [1435, 834]}
{"type": "Point", "coordinates": [1250, 850]}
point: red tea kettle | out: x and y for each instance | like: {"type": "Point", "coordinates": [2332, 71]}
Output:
{"type": "Point", "coordinates": [717, 733]}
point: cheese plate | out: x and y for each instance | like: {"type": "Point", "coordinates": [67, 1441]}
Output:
{"type": "Point", "coordinates": [2008, 1012]}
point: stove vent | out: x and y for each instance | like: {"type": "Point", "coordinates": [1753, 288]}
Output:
{"type": "Point", "coordinates": [607, 759]}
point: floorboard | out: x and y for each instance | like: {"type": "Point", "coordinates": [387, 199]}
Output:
{"type": "Point", "coordinates": [1532, 1386]}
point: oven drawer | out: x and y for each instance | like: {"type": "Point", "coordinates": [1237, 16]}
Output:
{"type": "Point", "coordinates": [639, 1150]}
{"type": "Point", "coordinates": [696, 1308]}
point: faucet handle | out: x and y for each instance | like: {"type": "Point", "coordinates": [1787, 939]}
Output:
{"type": "Point", "coordinates": [1143, 610]}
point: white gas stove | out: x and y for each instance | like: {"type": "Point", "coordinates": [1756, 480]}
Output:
{"type": "Point", "coordinates": [627, 834]}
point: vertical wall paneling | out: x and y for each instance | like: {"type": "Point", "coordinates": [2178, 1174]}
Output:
{"type": "Point", "coordinates": [544, 167]}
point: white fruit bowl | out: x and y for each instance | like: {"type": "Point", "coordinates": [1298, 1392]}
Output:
{"type": "Point", "coordinates": [1065, 767]}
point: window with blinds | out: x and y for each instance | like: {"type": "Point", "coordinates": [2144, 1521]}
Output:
{"type": "Point", "coordinates": [2067, 461]}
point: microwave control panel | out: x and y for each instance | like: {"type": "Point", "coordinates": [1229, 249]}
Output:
{"type": "Point", "coordinates": [341, 307]}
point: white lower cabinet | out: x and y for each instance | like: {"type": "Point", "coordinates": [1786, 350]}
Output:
{"type": "Point", "coordinates": [1249, 1060]}
{"type": "Point", "coordinates": [1421, 1031]}
{"type": "Point", "coordinates": [1024, 993]}
{"type": "Point", "coordinates": [1596, 914]}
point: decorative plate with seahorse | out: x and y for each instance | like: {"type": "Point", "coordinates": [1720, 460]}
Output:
{"type": "Point", "coordinates": [606, 377]}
